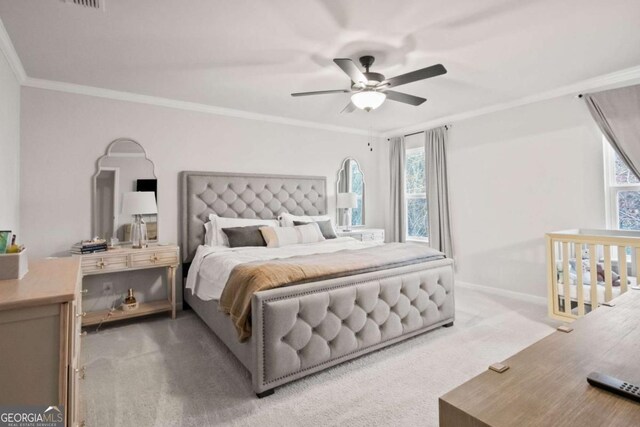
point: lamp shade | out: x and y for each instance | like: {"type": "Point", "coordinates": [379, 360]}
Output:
{"type": "Point", "coordinates": [347, 200]}
{"type": "Point", "coordinates": [368, 99]}
{"type": "Point", "coordinates": [139, 203]}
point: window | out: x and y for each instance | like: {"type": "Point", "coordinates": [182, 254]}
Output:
{"type": "Point", "coordinates": [356, 187]}
{"type": "Point", "coordinates": [416, 195]}
{"type": "Point", "coordinates": [623, 192]}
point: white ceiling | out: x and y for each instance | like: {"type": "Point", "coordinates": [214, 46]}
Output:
{"type": "Point", "coordinates": [250, 55]}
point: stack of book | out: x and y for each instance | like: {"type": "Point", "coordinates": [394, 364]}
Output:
{"type": "Point", "coordinates": [89, 247]}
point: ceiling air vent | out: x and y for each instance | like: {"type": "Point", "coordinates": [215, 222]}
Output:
{"type": "Point", "coordinates": [93, 4]}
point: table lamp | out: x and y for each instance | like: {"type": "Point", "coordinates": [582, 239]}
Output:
{"type": "Point", "coordinates": [139, 203]}
{"type": "Point", "coordinates": [347, 201]}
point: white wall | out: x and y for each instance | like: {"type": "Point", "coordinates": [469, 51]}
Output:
{"type": "Point", "coordinates": [9, 149]}
{"type": "Point", "coordinates": [64, 134]}
{"type": "Point", "coordinates": [514, 176]}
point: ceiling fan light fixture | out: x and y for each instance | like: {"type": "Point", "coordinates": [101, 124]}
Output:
{"type": "Point", "coordinates": [368, 100]}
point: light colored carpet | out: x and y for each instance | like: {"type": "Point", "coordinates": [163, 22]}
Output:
{"type": "Point", "coordinates": [158, 372]}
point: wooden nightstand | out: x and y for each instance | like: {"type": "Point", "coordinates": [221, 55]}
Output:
{"type": "Point", "coordinates": [127, 259]}
{"type": "Point", "coordinates": [364, 234]}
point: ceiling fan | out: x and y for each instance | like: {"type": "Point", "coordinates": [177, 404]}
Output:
{"type": "Point", "coordinates": [371, 89]}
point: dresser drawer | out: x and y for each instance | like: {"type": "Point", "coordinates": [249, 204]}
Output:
{"type": "Point", "coordinates": [154, 258]}
{"type": "Point", "coordinates": [101, 264]}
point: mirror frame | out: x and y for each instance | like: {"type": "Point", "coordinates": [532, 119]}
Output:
{"type": "Point", "coordinates": [94, 222]}
{"type": "Point", "coordinates": [364, 193]}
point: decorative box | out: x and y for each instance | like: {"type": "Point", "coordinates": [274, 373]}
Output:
{"type": "Point", "coordinates": [13, 266]}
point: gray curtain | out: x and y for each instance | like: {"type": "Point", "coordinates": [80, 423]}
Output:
{"type": "Point", "coordinates": [397, 207]}
{"type": "Point", "coordinates": [439, 222]}
{"type": "Point", "coordinates": [617, 113]}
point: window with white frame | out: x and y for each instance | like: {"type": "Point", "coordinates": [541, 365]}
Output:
{"type": "Point", "coordinates": [416, 195]}
{"type": "Point", "coordinates": [623, 192]}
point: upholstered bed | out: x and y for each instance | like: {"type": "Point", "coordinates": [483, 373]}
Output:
{"type": "Point", "coordinates": [305, 328]}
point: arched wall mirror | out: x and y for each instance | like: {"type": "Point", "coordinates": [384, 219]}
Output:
{"type": "Point", "coordinates": [124, 168]}
{"type": "Point", "coordinates": [351, 180]}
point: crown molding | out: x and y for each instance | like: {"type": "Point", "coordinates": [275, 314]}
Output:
{"type": "Point", "coordinates": [597, 83]}
{"type": "Point", "coordinates": [6, 46]}
{"type": "Point", "coordinates": [182, 105]}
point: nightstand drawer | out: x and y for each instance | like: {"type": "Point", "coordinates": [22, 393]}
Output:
{"type": "Point", "coordinates": [364, 234]}
{"type": "Point", "coordinates": [367, 237]}
{"type": "Point", "coordinates": [153, 258]}
{"type": "Point", "coordinates": [105, 263]}
{"type": "Point", "coordinates": [377, 235]}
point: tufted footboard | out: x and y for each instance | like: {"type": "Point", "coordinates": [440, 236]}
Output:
{"type": "Point", "coordinates": [303, 329]}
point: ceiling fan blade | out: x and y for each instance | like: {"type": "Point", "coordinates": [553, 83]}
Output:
{"type": "Point", "coordinates": [351, 70]}
{"type": "Point", "coordinates": [404, 97]}
{"type": "Point", "coordinates": [321, 92]}
{"type": "Point", "coordinates": [350, 108]}
{"type": "Point", "coordinates": [424, 73]}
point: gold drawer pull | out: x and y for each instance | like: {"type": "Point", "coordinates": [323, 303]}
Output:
{"type": "Point", "coordinates": [84, 313]}
{"type": "Point", "coordinates": [101, 264]}
{"type": "Point", "coordinates": [154, 258]}
{"type": "Point", "coordinates": [82, 371]}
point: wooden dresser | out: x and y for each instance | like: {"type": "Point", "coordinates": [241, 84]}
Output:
{"type": "Point", "coordinates": [40, 337]}
{"type": "Point", "coordinates": [546, 383]}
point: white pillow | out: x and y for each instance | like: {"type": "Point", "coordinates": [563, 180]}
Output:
{"type": "Point", "coordinates": [277, 237]}
{"type": "Point", "coordinates": [208, 233]}
{"type": "Point", "coordinates": [219, 222]}
{"type": "Point", "coordinates": [286, 219]}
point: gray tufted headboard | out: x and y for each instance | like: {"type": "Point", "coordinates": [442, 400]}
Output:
{"type": "Point", "coordinates": [238, 195]}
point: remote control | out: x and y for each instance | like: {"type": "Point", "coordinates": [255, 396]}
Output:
{"type": "Point", "coordinates": [614, 385]}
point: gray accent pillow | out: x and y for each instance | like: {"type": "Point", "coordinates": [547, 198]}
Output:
{"type": "Point", "coordinates": [245, 236]}
{"type": "Point", "coordinates": [325, 228]}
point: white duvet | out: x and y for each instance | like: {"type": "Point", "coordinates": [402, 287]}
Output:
{"type": "Point", "coordinates": [212, 265]}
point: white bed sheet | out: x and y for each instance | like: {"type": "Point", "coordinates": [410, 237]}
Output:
{"type": "Point", "coordinates": [212, 265]}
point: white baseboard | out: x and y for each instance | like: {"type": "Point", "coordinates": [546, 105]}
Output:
{"type": "Point", "coordinates": [504, 292]}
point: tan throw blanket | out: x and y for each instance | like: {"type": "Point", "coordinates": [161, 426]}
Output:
{"type": "Point", "coordinates": [249, 278]}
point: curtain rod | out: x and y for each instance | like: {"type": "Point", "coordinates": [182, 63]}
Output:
{"type": "Point", "coordinates": [447, 127]}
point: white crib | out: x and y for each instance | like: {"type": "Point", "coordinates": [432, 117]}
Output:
{"type": "Point", "coordinates": [573, 260]}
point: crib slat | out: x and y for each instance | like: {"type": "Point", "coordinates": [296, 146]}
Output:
{"type": "Point", "coordinates": [637, 269]}
{"type": "Point", "coordinates": [566, 279]}
{"type": "Point", "coordinates": [579, 281]}
{"type": "Point", "coordinates": [608, 279]}
{"type": "Point", "coordinates": [593, 269]}
{"type": "Point", "coordinates": [622, 268]}
{"type": "Point", "coordinates": [553, 277]}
